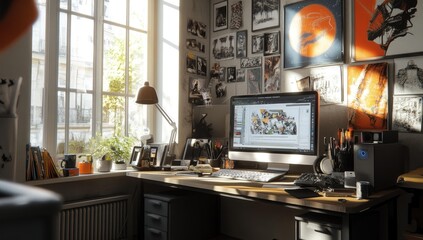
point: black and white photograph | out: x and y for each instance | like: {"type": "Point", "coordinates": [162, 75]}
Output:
{"type": "Point", "coordinates": [194, 45]}
{"type": "Point", "coordinates": [253, 76]}
{"type": "Point", "coordinates": [408, 76]}
{"type": "Point", "coordinates": [271, 43]}
{"type": "Point", "coordinates": [240, 75]}
{"type": "Point", "coordinates": [251, 62]}
{"type": "Point", "coordinates": [231, 74]}
{"type": "Point", "coordinates": [197, 28]}
{"type": "Point", "coordinates": [220, 88]}
{"type": "Point", "coordinates": [217, 73]}
{"type": "Point", "coordinates": [257, 43]}
{"type": "Point", "coordinates": [196, 86]}
{"type": "Point", "coordinates": [241, 44]}
{"type": "Point", "coordinates": [328, 82]}
{"type": "Point", "coordinates": [191, 63]}
{"type": "Point", "coordinates": [223, 47]}
{"type": "Point", "coordinates": [265, 14]}
{"type": "Point", "coordinates": [407, 114]}
{"type": "Point", "coordinates": [220, 16]}
{"type": "Point", "coordinates": [201, 66]}
{"type": "Point", "coordinates": [272, 74]}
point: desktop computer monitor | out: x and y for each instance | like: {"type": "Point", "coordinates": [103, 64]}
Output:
{"type": "Point", "coordinates": [277, 128]}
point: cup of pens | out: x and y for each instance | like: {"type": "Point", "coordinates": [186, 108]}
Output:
{"type": "Point", "coordinates": [343, 151]}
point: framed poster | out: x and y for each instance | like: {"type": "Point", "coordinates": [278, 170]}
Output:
{"type": "Point", "coordinates": [407, 114]}
{"type": "Point", "coordinates": [257, 43]}
{"type": "Point", "coordinates": [241, 44]}
{"type": "Point", "coordinates": [328, 82]}
{"type": "Point", "coordinates": [253, 76]}
{"type": "Point", "coordinates": [223, 47]}
{"type": "Point", "coordinates": [313, 33]}
{"type": "Point", "coordinates": [386, 28]}
{"type": "Point", "coordinates": [271, 43]}
{"type": "Point", "coordinates": [220, 16]}
{"type": "Point", "coordinates": [408, 75]}
{"type": "Point", "coordinates": [368, 96]}
{"type": "Point", "coordinates": [265, 14]}
{"type": "Point", "coordinates": [272, 74]}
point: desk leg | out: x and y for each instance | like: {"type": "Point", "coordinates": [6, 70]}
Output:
{"type": "Point", "coordinates": [346, 227]}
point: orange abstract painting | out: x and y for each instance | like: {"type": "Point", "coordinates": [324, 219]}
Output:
{"type": "Point", "coordinates": [368, 96]}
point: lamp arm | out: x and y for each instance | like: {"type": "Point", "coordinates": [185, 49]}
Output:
{"type": "Point", "coordinates": [171, 146]}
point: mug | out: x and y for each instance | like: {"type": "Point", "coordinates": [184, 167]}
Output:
{"type": "Point", "coordinates": [69, 161]}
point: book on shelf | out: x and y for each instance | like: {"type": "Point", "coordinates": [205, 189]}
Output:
{"type": "Point", "coordinates": [39, 164]}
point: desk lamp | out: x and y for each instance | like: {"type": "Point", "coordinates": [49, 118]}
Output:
{"type": "Point", "coordinates": [148, 95]}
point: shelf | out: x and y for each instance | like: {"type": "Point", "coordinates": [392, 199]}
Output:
{"type": "Point", "coordinates": [81, 177]}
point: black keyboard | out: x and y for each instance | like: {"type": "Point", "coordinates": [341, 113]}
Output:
{"type": "Point", "coordinates": [250, 175]}
{"type": "Point", "coordinates": [318, 180]}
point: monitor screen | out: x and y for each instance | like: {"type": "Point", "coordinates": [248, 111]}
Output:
{"type": "Point", "coordinates": [274, 128]}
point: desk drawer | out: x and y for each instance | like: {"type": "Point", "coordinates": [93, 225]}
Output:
{"type": "Point", "coordinates": [154, 234]}
{"type": "Point", "coordinates": [312, 226]}
{"type": "Point", "coordinates": [156, 206]}
{"type": "Point", "coordinates": [155, 221]}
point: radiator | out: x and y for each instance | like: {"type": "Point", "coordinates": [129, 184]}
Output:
{"type": "Point", "coordinates": [102, 219]}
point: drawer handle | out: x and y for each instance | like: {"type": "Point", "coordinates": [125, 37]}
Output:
{"type": "Point", "coordinates": [154, 231]}
{"type": "Point", "coordinates": [156, 203]}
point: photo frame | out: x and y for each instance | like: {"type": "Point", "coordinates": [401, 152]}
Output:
{"type": "Point", "coordinates": [231, 74]}
{"type": "Point", "coordinates": [257, 43]}
{"type": "Point", "coordinates": [223, 47]}
{"type": "Point", "coordinates": [220, 16]}
{"type": "Point", "coordinates": [264, 14]}
{"type": "Point", "coordinates": [313, 41]}
{"type": "Point", "coordinates": [253, 78]}
{"type": "Point", "coordinates": [201, 66]}
{"type": "Point", "coordinates": [241, 44]}
{"type": "Point", "coordinates": [408, 75]}
{"type": "Point", "coordinates": [272, 74]}
{"type": "Point", "coordinates": [271, 43]}
{"type": "Point", "coordinates": [251, 62]}
{"type": "Point", "coordinates": [327, 81]}
{"type": "Point", "coordinates": [407, 113]}
{"type": "Point", "coordinates": [375, 36]}
{"type": "Point", "coordinates": [136, 156]}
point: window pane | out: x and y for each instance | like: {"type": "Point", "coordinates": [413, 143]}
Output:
{"type": "Point", "coordinates": [114, 59]}
{"type": "Point", "coordinates": [115, 11]}
{"type": "Point", "coordinates": [38, 74]}
{"type": "Point", "coordinates": [138, 14]}
{"type": "Point", "coordinates": [83, 6]}
{"type": "Point", "coordinates": [81, 75]}
{"type": "Point", "coordinates": [113, 115]}
{"type": "Point", "coordinates": [63, 33]}
{"type": "Point", "coordinates": [137, 60]}
{"type": "Point", "coordinates": [80, 114]}
{"type": "Point", "coordinates": [137, 118]}
{"type": "Point", "coordinates": [61, 115]}
{"type": "Point", "coordinates": [64, 4]}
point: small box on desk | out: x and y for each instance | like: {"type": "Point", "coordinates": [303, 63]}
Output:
{"type": "Point", "coordinates": [379, 164]}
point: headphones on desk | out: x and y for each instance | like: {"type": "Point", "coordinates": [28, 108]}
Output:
{"type": "Point", "coordinates": [323, 165]}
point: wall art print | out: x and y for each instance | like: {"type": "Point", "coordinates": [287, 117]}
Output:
{"type": "Point", "coordinates": [328, 82]}
{"type": "Point", "coordinates": [272, 74]}
{"type": "Point", "coordinates": [236, 15]}
{"type": "Point", "coordinates": [220, 16]}
{"type": "Point", "coordinates": [265, 14]}
{"type": "Point", "coordinates": [241, 44]}
{"type": "Point", "coordinates": [368, 96]}
{"type": "Point", "coordinates": [386, 28]}
{"type": "Point", "coordinates": [271, 43]}
{"type": "Point", "coordinates": [407, 113]}
{"type": "Point", "coordinates": [197, 28]}
{"type": "Point", "coordinates": [313, 33]}
{"type": "Point", "coordinates": [257, 43]}
{"type": "Point", "coordinates": [408, 75]}
{"type": "Point", "coordinates": [253, 76]}
{"type": "Point", "coordinates": [223, 47]}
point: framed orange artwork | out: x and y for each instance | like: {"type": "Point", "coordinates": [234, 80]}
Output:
{"type": "Point", "coordinates": [387, 28]}
{"type": "Point", "coordinates": [313, 33]}
{"type": "Point", "coordinates": [368, 96]}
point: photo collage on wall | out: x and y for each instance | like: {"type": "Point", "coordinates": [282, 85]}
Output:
{"type": "Point", "coordinates": [260, 72]}
{"type": "Point", "coordinates": [196, 63]}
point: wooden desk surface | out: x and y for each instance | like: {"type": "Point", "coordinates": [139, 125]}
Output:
{"type": "Point", "coordinates": [267, 191]}
{"type": "Point", "coordinates": [412, 179]}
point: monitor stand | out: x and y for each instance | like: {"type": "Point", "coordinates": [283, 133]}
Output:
{"type": "Point", "coordinates": [281, 167]}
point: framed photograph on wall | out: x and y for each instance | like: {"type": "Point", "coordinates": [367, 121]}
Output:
{"type": "Point", "coordinates": [272, 74]}
{"type": "Point", "coordinates": [408, 75]}
{"type": "Point", "coordinates": [241, 44]}
{"type": "Point", "coordinates": [223, 47]}
{"type": "Point", "coordinates": [316, 40]}
{"type": "Point", "coordinates": [265, 14]}
{"type": "Point", "coordinates": [383, 29]}
{"type": "Point", "coordinates": [201, 66]}
{"type": "Point", "coordinates": [328, 82]}
{"type": "Point", "coordinates": [220, 16]}
{"type": "Point", "coordinates": [253, 76]}
{"type": "Point", "coordinates": [271, 43]}
{"type": "Point", "coordinates": [367, 99]}
{"type": "Point", "coordinates": [257, 43]}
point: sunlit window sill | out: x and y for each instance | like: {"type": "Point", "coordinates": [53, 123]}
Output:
{"type": "Point", "coordinates": [81, 177]}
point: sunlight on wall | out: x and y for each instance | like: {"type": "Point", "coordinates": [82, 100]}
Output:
{"type": "Point", "coordinates": [168, 65]}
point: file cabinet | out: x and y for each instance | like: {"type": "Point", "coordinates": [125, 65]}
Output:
{"type": "Point", "coordinates": [180, 215]}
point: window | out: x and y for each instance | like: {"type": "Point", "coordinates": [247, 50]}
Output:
{"type": "Point", "coordinates": [86, 71]}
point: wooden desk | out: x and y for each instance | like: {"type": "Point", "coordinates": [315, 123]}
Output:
{"type": "Point", "coordinates": [276, 194]}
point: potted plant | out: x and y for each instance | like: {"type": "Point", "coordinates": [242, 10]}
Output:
{"type": "Point", "coordinates": [115, 149]}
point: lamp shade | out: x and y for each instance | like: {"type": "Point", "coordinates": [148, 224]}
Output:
{"type": "Point", "coordinates": [147, 95]}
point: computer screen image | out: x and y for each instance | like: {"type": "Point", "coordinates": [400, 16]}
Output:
{"type": "Point", "coordinates": [274, 128]}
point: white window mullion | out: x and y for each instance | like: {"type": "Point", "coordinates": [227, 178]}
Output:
{"type": "Point", "coordinates": [98, 63]}
{"type": "Point", "coordinates": [50, 85]}
{"type": "Point", "coordinates": [68, 75]}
